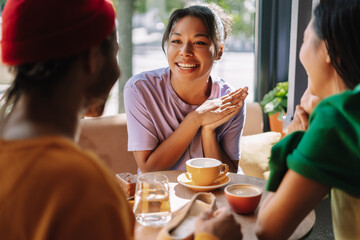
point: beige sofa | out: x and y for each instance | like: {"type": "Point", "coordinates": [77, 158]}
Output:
{"type": "Point", "coordinates": [107, 137]}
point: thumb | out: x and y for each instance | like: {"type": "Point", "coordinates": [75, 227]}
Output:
{"type": "Point", "coordinates": [205, 216]}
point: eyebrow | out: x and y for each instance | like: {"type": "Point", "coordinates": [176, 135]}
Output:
{"type": "Point", "coordinates": [196, 35]}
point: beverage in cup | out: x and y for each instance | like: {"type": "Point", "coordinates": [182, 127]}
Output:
{"type": "Point", "coordinates": [152, 202]}
{"type": "Point", "coordinates": [243, 198]}
{"type": "Point", "coordinates": [205, 171]}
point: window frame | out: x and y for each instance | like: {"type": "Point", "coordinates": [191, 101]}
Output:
{"type": "Point", "coordinates": [280, 25]}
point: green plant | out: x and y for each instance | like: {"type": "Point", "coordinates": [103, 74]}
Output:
{"type": "Point", "coordinates": [275, 101]}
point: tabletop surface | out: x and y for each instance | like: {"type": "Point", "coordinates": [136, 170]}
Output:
{"type": "Point", "coordinates": [180, 195]}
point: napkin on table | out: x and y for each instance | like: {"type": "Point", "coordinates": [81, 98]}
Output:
{"type": "Point", "coordinates": [182, 225]}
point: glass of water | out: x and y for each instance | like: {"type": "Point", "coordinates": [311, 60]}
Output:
{"type": "Point", "coordinates": [152, 202]}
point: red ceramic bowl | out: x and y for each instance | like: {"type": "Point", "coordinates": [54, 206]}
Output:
{"type": "Point", "coordinates": [243, 198]}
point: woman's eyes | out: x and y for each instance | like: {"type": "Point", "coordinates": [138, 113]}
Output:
{"type": "Point", "coordinates": [195, 43]}
{"type": "Point", "coordinates": [200, 43]}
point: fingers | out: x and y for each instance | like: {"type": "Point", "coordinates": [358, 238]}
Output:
{"type": "Point", "coordinates": [206, 215]}
{"type": "Point", "coordinates": [203, 217]}
{"type": "Point", "coordinates": [222, 109]}
{"type": "Point", "coordinates": [236, 96]}
{"type": "Point", "coordinates": [228, 113]}
{"type": "Point", "coordinates": [300, 121]}
{"type": "Point", "coordinates": [225, 215]}
{"type": "Point", "coordinates": [235, 103]}
{"type": "Point", "coordinates": [303, 117]}
{"type": "Point", "coordinates": [221, 215]}
{"type": "Point", "coordinates": [230, 106]}
{"type": "Point", "coordinates": [228, 110]}
{"type": "Point", "coordinates": [221, 212]}
{"type": "Point", "coordinates": [245, 89]}
{"type": "Point", "coordinates": [242, 98]}
{"type": "Point", "coordinates": [221, 224]}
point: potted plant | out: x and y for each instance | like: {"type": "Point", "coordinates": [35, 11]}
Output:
{"type": "Point", "coordinates": [274, 104]}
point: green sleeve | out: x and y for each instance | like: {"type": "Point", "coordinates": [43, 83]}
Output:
{"type": "Point", "coordinates": [279, 152]}
{"type": "Point", "coordinates": [328, 152]}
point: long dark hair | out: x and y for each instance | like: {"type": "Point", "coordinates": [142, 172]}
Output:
{"type": "Point", "coordinates": [337, 22]}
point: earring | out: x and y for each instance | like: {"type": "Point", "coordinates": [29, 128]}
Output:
{"type": "Point", "coordinates": [328, 59]}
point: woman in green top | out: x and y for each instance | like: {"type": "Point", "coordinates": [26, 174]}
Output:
{"type": "Point", "coordinates": [306, 166]}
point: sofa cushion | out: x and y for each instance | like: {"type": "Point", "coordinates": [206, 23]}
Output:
{"type": "Point", "coordinates": [255, 153]}
{"type": "Point", "coordinates": [254, 122]}
{"type": "Point", "coordinates": [107, 137]}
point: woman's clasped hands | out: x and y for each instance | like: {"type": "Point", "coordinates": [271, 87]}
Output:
{"type": "Point", "coordinates": [214, 112]}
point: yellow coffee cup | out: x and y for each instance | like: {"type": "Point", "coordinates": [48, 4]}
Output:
{"type": "Point", "coordinates": [205, 171]}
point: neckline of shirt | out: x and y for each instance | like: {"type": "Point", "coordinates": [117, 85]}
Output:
{"type": "Point", "coordinates": [215, 84]}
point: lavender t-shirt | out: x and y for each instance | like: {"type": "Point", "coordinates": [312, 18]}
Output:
{"type": "Point", "coordinates": [154, 111]}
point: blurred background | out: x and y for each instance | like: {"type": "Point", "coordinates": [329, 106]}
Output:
{"type": "Point", "coordinates": [141, 24]}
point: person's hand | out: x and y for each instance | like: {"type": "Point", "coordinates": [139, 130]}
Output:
{"type": "Point", "coordinates": [300, 121]}
{"type": "Point", "coordinates": [213, 113]}
{"type": "Point", "coordinates": [220, 224]}
{"type": "Point", "coordinates": [309, 101]}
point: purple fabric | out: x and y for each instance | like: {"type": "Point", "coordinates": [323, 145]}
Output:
{"type": "Point", "coordinates": [154, 111]}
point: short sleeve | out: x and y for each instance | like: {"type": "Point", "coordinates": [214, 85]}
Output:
{"type": "Point", "coordinates": [277, 164]}
{"type": "Point", "coordinates": [329, 151]}
{"type": "Point", "coordinates": [141, 131]}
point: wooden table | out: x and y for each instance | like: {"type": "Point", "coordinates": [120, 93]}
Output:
{"type": "Point", "coordinates": [180, 195]}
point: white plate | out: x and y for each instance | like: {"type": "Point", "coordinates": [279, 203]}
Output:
{"type": "Point", "coordinates": [182, 179]}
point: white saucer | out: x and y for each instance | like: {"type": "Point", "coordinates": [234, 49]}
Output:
{"type": "Point", "coordinates": [182, 179]}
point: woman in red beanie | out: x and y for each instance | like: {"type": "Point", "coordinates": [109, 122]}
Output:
{"type": "Point", "coordinates": [63, 57]}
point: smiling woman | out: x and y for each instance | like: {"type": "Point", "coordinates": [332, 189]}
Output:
{"type": "Point", "coordinates": [182, 107]}
{"type": "Point", "coordinates": [190, 55]}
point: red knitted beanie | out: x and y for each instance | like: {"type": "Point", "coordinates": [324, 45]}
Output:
{"type": "Point", "coordinates": [42, 30]}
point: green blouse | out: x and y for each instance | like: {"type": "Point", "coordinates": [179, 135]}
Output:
{"type": "Point", "coordinates": [328, 153]}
